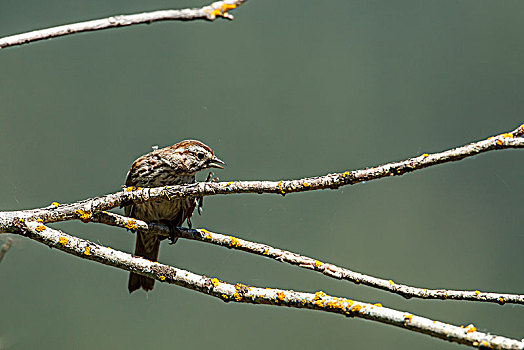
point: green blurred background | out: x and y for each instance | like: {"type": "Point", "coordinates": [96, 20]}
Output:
{"type": "Point", "coordinates": [288, 89]}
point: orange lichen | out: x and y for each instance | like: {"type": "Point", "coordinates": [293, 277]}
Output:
{"type": "Point", "coordinates": [484, 343]}
{"type": "Point", "coordinates": [234, 242]}
{"type": "Point", "coordinates": [56, 204]}
{"type": "Point", "coordinates": [215, 282]}
{"type": "Point", "coordinates": [266, 252]}
{"type": "Point", "coordinates": [470, 328]}
{"type": "Point", "coordinates": [305, 184]}
{"type": "Point", "coordinates": [499, 142]}
{"type": "Point", "coordinates": [63, 241]}
{"type": "Point", "coordinates": [408, 318]}
{"type": "Point", "coordinates": [221, 10]}
{"type": "Point", "coordinates": [281, 296]}
{"type": "Point", "coordinates": [162, 278]}
{"type": "Point", "coordinates": [130, 188]}
{"type": "Point", "coordinates": [501, 300]}
{"type": "Point", "coordinates": [40, 228]}
{"type": "Point", "coordinates": [87, 251]}
{"type": "Point", "coordinates": [84, 217]}
{"type": "Point", "coordinates": [356, 308]}
{"type": "Point", "coordinates": [131, 225]}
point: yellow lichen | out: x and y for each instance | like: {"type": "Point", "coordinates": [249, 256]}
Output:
{"type": "Point", "coordinates": [425, 155]}
{"type": "Point", "coordinates": [39, 220]}
{"type": "Point", "coordinates": [234, 242]}
{"type": "Point", "coordinates": [391, 282]}
{"type": "Point", "coordinates": [63, 241]}
{"type": "Point", "coordinates": [208, 234]}
{"type": "Point", "coordinates": [317, 264]}
{"type": "Point", "coordinates": [229, 183]}
{"type": "Point", "coordinates": [221, 10]}
{"type": "Point", "coordinates": [224, 296]}
{"type": "Point", "coordinates": [507, 135]}
{"type": "Point", "coordinates": [477, 292]}
{"type": "Point", "coordinates": [215, 282]}
{"type": "Point", "coordinates": [378, 304]}
{"type": "Point", "coordinates": [345, 174]}
{"type": "Point", "coordinates": [319, 295]}
{"type": "Point", "coordinates": [87, 251]}
{"type": "Point", "coordinates": [56, 204]}
{"type": "Point", "coordinates": [84, 217]}
{"type": "Point", "coordinates": [266, 252]}
{"type": "Point", "coordinates": [305, 184]}
{"type": "Point", "coordinates": [237, 297]}
{"type": "Point", "coordinates": [162, 278]}
{"type": "Point", "coordinates": [281, 296]}
{"type": "Point", "coordinates": [501, 300]}
{"type": "Point", "coordinates": [131, 225]}
{"type": "Point", "coordinates": [471, 328]}
{"type": "Point", "coordinates": [475, 343]}
{"type": "Point", "coordinates": [356, 308]}
{"type": "Point", "coordinates": [408, 317]}
{"type": "Point", "coordinates": [40, 228]}
{"type": "Point", "coordinates": [484, 343]}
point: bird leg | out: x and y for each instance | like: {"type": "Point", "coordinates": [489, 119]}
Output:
{"type": "Point", "coordinates": [200, 199]}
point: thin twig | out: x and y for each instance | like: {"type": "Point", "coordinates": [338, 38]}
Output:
{"type": "Point", "coordinates": [246, 294]}
{"type": "Point", "coordinates": [84, 209]}
{"type": "Point", "coordinates": [327, 269]}
{"type": "Point", "coordinates": [5, 247]}
{"type": "Point", "coordinates": [210, 12]}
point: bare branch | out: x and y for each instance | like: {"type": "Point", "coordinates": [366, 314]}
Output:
{"type": "Point", "coordinates": [210, 12]}
{"type": "Point", "coordinates": [327, 269]}
{"type": "Point", "coordinates": [84, 209]}
{"type": "Point", "coordinates": [5, 247]}
{"type": "Point", "coordinates": [253, 295]}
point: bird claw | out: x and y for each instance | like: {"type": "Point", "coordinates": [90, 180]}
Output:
{"type": "Point", "coordinates": [173, 235]}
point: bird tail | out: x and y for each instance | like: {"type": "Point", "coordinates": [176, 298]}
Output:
{"type": "Point", "coordinates": [151, 253]}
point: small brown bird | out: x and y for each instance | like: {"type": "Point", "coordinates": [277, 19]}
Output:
{"type": "Point", "coordinates": [173, 165]}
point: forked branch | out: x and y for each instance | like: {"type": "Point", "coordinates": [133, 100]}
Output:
{"type": "Point", "coordinates": [246, 294]}
{"type": "Point", "coordinates": [305, 262]}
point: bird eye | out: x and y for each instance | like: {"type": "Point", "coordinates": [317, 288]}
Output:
{"type": "Point", "coordinates": [200, 155]}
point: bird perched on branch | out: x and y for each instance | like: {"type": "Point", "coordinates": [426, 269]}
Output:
{"type": "Point", "coordinates": [173, 165]}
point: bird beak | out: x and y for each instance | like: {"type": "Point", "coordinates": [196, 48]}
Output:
{"type": "Point", "coordinates": [216, 163]}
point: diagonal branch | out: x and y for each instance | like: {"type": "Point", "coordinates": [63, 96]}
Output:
{"type": "Point", "coordinates": [253, 295]}
{"type": "Point", "coordinates": [210, 12]}
{"type": "Point", "coordinates": [84, 209]}
{"type": "Point", "coordinates": [327, 269]}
